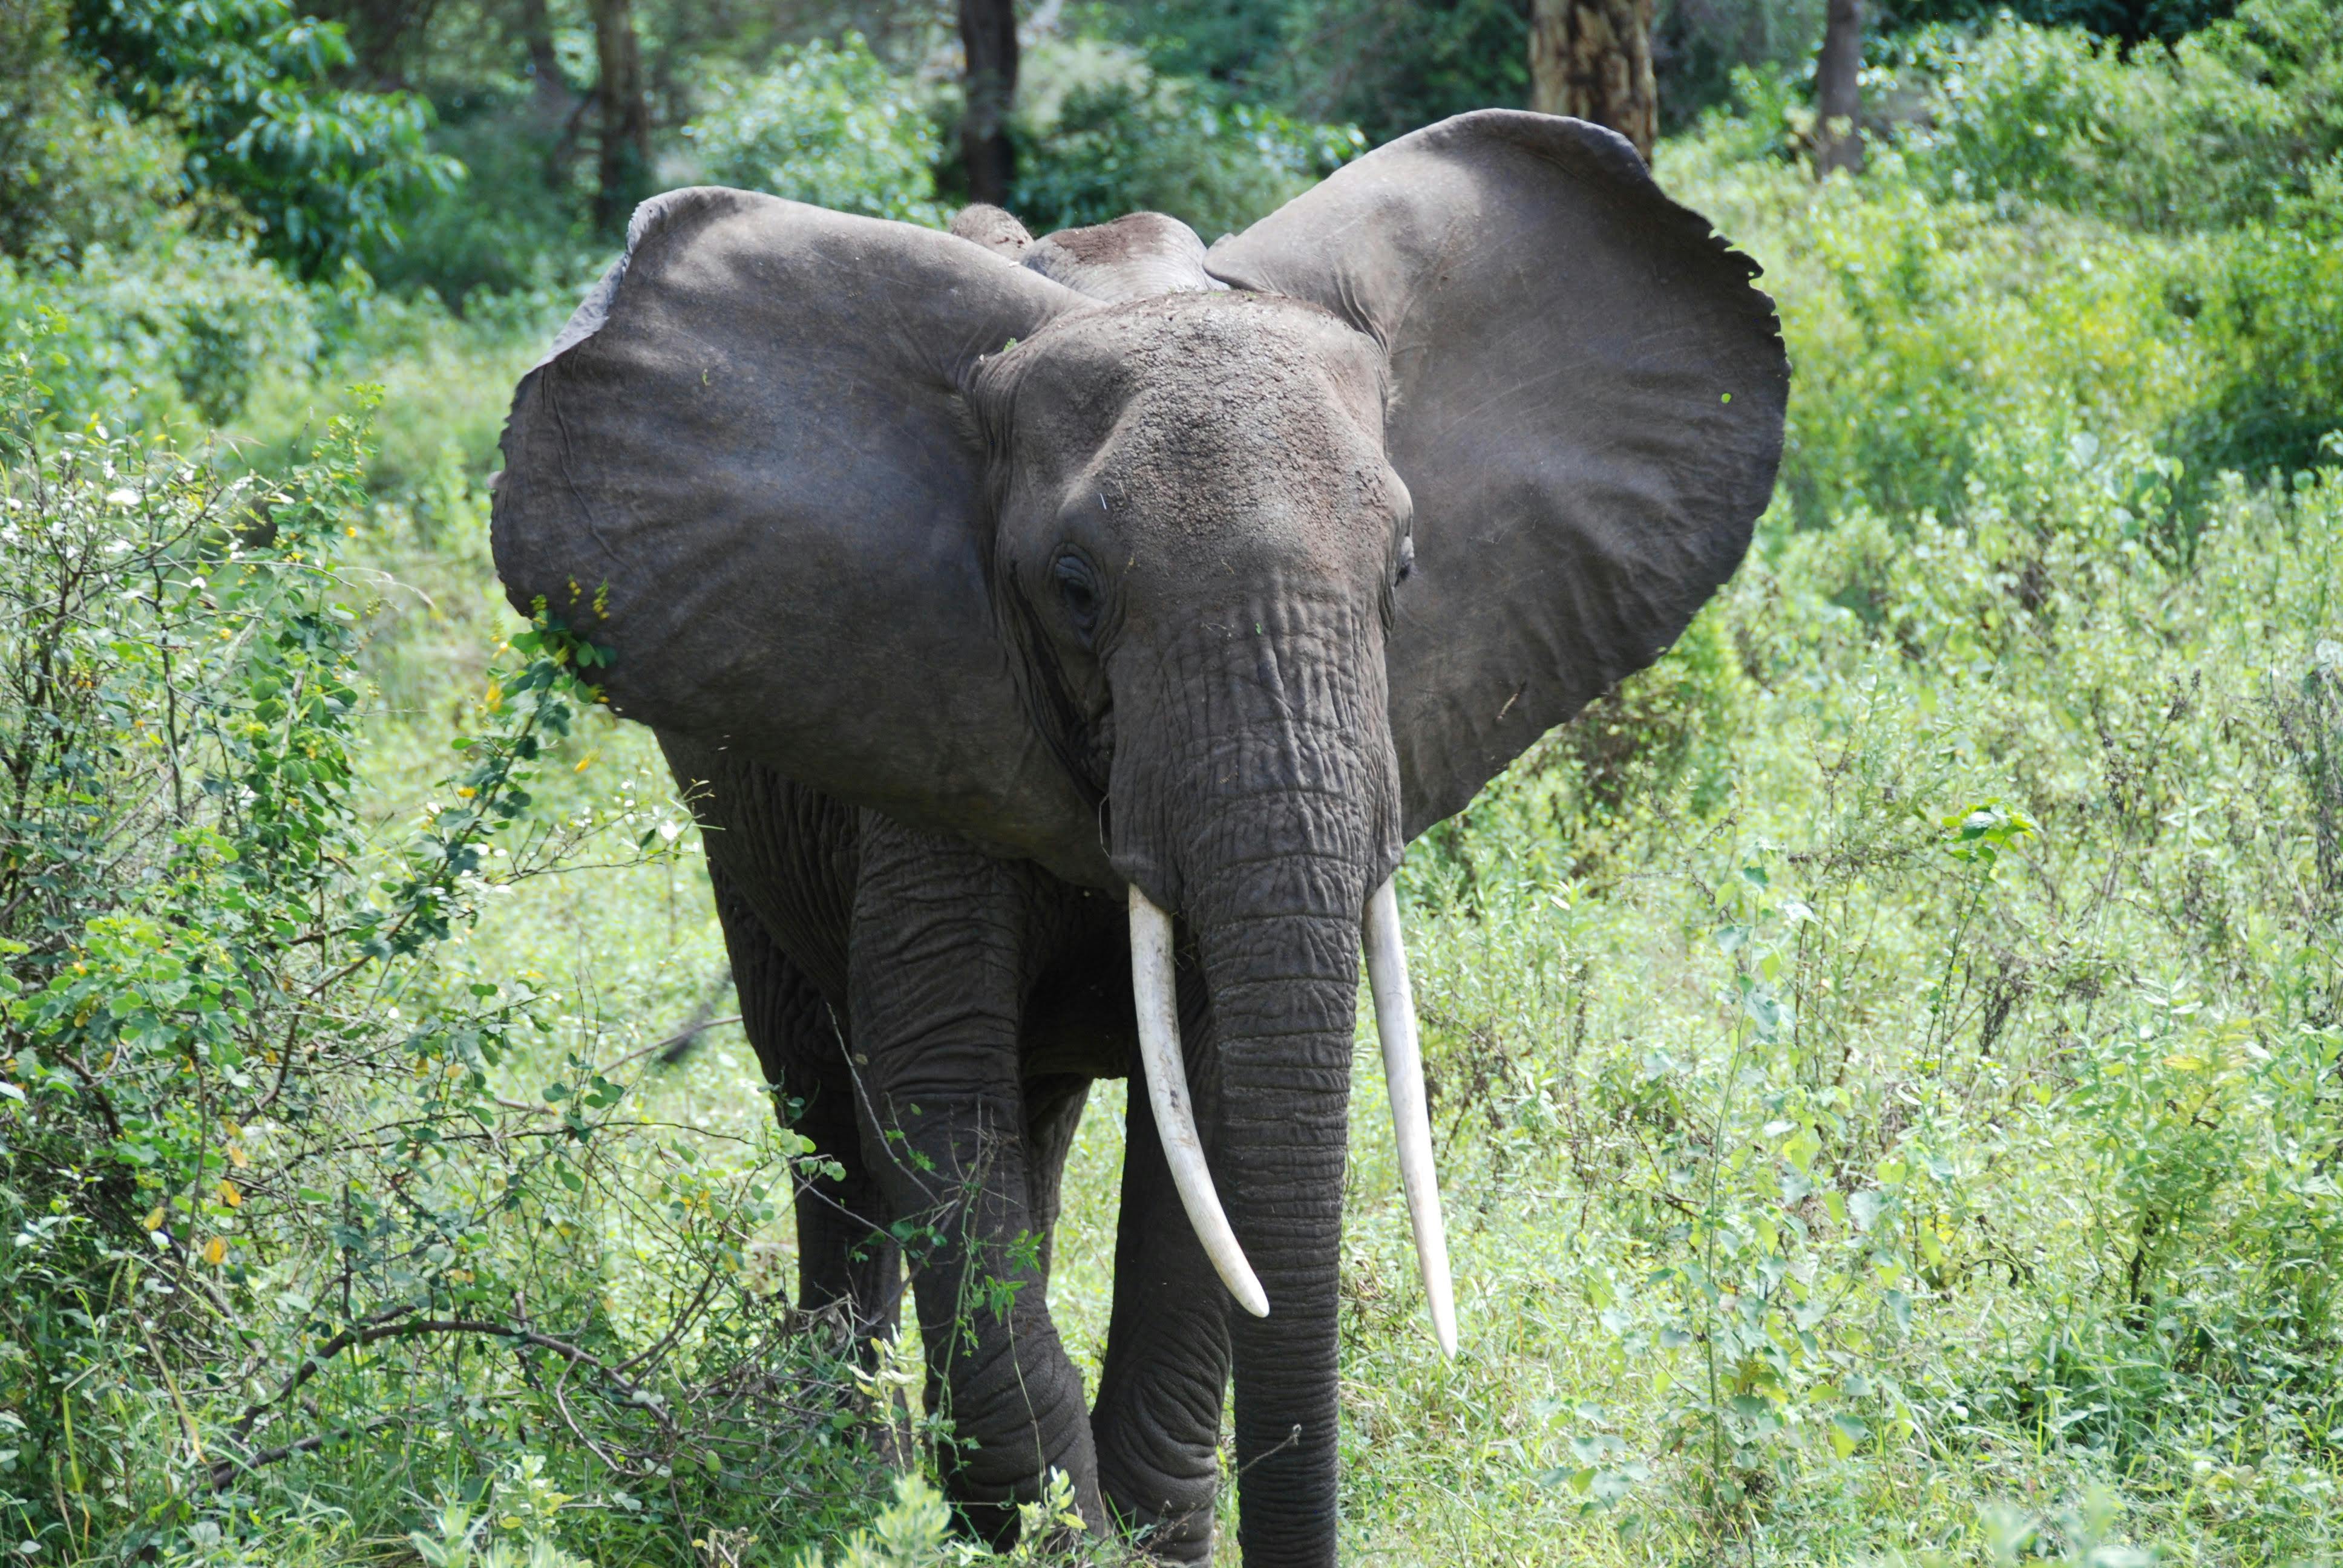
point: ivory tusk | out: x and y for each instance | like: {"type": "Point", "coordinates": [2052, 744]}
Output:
{"type": "Point", "coordinates": [1157, 998]}
{"type": "Point", "coordinates": [1410, 1116]}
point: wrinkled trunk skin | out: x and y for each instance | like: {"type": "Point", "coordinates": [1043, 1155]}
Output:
{"type": "Point", "coordinates": [1271, 818]}
{"type": "Point", "coordinates": [1284, 987]}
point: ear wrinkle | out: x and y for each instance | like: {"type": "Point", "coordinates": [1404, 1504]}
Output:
{"type": "Point", "coordinates": [985, 423]}
{"type": "Point", "coordinates": [969, 425]}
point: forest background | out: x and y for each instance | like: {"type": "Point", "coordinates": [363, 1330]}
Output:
{"type": "Point", "coordinates": [1887, 1059]}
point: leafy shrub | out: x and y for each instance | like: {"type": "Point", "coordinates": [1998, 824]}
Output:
{"type": "Point", "coordinates": [2266, 305]}
{"type": "Point", "coordinates": [1390, 65]}
{"type": "Point", "coordinates": [519, 224]}
{"type": "Point", "coordinates": [180, 329]}
{"type": "Point", "coordinates": [74, 169]}
{"type": "Point", "coordinates": [2232, 125]}
{"type": "Point", "coordinates": [1939, 301]}
{"type": "Point", "coordinates": [829, 125]}
{"type": "Point", "coordinates": [1100, 133]}
{"type": "Point", "coordinates": [453, 376]}
{"type": "Point", "coordinates": [1965, 1069]}
{"type": "Point", "coordinates": [1697, 46]}
{"type": "Point", "coordinates": [263, 1193]}
{"type": "Point", "coordinates": [2131, 21]}
{"type": "Point", "coordinates": [324, 170]}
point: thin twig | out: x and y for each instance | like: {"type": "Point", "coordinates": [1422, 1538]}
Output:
{"type": "Point", "coordinates": [225, 1471]}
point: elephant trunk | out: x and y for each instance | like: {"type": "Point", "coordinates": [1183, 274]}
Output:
{"type": "Point", "coordinates": [1283, 988]}
{"type": "Point", "coordinates": [1266, 819]}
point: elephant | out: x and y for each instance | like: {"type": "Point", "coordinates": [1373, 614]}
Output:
{"type": "Point", "coordinates": [1059, 639]}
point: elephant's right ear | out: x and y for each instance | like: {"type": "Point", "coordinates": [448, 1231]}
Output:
{"type": "Point", "coordinates": [1585, 402]}
{"type": "Point", "coordinates": [746, 470]}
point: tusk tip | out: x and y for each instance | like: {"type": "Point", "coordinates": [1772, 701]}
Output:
{"type": "Point", "coordinates": [1251, 1297]}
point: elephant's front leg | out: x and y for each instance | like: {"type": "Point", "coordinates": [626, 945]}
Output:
{"type": "Point", "coordinates": [1158, 1418]}
{"type": "Point", "coordinates": [937, 969]}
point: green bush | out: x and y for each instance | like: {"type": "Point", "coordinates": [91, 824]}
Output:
{"type": "Point", "coordinates": [176, 331]}
{"type": "Point", "coordinates": [1961, 1074]}
{"type": "Point", "coordinates": [253, 87]}
{"type": "Point", "coordinates": [1100, 133]}
{"type": "Point", "coordinates": [1391, 66]}
{"type": "Point", "coordinates": [828, 124]}
{"type": "Point", "coordinates": [74, 169]}
{"type": "Point", "coordinates": [262, 1191]}
{"type": "Point", "coordinates": [2233, 124]}
{"type": "Point", "coordinates": [2265, 304]}
{"type": "Point", "coordinates": [518, 222]}
{"type": "Point", "coordinates": [1980, 277]}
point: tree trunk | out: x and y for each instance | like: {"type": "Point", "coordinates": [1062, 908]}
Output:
{"type": "Point", "coordinates": [549, 92]}
{"type": "Point", "coordinates": [1837, 89]}
{"type": "Point", "coordinates": [1592, 59]}
{"type": "Point", "coordinates": [987, 34]}
{"type": "Point", "coordinates": [624, 113]}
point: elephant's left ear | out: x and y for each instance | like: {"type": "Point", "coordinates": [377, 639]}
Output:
{"type": "Point", "coordinates": [745, 470]}
{"type": "Point", "coordinates": [1586, 402]}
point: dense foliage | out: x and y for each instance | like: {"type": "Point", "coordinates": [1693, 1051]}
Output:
{"type": "Point", "coordinates": [828, 125]}
{"type": "Point", "coordinates": [322, 169]}
{"type": "Point", "coordinates": [253, 1144]}
{"type": "Point", "coordinates": [1101, 132]}
{"type": "Point", "coordinates": [1888, 1056]}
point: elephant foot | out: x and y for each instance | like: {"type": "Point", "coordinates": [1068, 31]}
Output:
{"type": "Point", "coordinates": [1169, 1519]}
{"type": "Point", "coordinates": [1177, 1537]}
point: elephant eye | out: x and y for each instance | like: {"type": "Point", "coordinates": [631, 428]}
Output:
{"type": "Point", "coordinates": [1077, 591]}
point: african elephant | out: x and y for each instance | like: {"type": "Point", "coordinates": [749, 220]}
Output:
{"type": "Point", "coordinates": [1060, 640]}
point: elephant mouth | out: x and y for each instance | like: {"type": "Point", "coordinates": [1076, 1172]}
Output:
{"type": "Point", "coordinates": [1165, 1067]}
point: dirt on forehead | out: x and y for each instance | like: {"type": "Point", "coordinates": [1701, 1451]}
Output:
{"type": "Point", "coordinates": [1139, 234]}
{"type": "Point", "coordinates": [1179, 344]}
{"type": "Point", "coordinates": [1209, 412]}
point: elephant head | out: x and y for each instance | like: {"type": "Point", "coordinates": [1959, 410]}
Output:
{"type": "Point", "coordinates": [1212, 577]}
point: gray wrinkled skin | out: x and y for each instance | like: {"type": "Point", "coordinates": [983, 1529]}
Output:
{"type": "Point", "coordinates": [1136, 257]}
{"type": "Point", "coordinates": [967, 578]}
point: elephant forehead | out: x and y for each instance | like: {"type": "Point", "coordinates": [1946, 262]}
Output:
{"type": "Point", "coordinates": [1165, 339]}
{"type": "Point", "coordinates": [1201, 393]}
